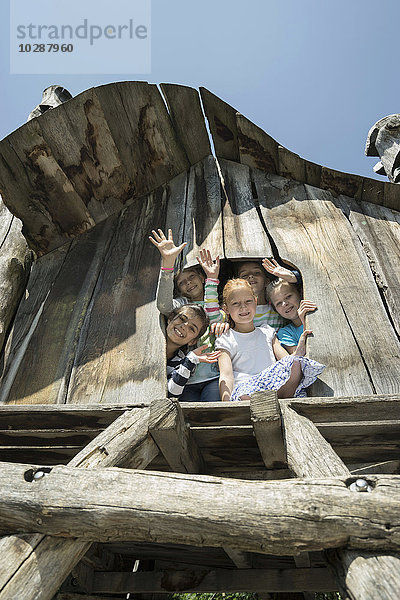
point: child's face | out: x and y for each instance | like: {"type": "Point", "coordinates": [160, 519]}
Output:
{"type": "Point", "coordinates": [184, 328]}
{"type": "Point", "coordinates": [241, 305]}
{"type": "Point", "coordinates": [191, 285]}
{"type": "Point", "coordinates": [255, 275]}
{"type": "Point", "coordinates": [286, 300]}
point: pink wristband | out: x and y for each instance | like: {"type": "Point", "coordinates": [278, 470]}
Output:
{"type": "Point", "coordinates": [213, 280]}
{"type": "Point", "coordinates": [167, 268]}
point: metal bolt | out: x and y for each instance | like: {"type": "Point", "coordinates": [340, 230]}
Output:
{"type": "Point", "coordinates": [39, 475]}
{"type": "Point", "coordinates": [360, 485]}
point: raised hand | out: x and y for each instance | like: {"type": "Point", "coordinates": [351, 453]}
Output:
{"type": "Point", "coordinates": [209, 357]}
{"type": "Point", "coordinates": [209, 266]}
{"type": "Point", "coordinates": [166, 247]}
{"type": "Point", "coordinates": [301, 346]}
{"type": "Point", "coordinates": [219, 328]}
{"type": "Point", "coordinates": [272, 267]}
{"type": "Point", "coordinates": [305, 307]}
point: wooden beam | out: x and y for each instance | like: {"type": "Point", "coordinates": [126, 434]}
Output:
{"type": "Point", "coordinates": [274, 517]}
{"type": "Point", "coordinates": [218, 580]}
{"type": "Point", "coordinates": [360, 576]}
{"type": "Point", "coordinates": [266, 418]}
{"type": "Point", "coordinates": [173, 436]}
{"type": "Point", "coordinates": [37, 565]}
{"type": "Point", "coordinates": [365, 576]}
{"type": "Point", "coordinates": [241, 560]}
{"type": "Point", "coordinates": [308, 453]}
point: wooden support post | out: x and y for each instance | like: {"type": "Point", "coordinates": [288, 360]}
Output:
{"type": "Point", "coordinates": [361, 576]}
{"type": "Point", "coordinates": [215, 580]}
{"type": "Point", "coordinates": [240, 559]}
{"type": "Point", "coordinates": [173, 437]}
{"type": "Point", "coordinates": [266, 420]}
{"type": "Point", "coordinates": [36, 565]}
{"type": "Point", "coordinates": [274, 517]}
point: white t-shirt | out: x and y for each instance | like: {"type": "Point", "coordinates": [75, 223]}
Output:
{"type": "Point", "coordinates": [250, 353]}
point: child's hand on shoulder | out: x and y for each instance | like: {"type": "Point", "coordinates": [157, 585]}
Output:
{"type": "Point", "coordinates": [209, 266]}
{"type": "Point", "coordinates": [166, 246]}
{"type": "Point", "coordinates": [206, 357]}
{"type": "Point", "coordinates": [305, 307]}
{"type": "Point", "coordinates": [301, 346]}
{"type": "Point", "coordinates": [219, 328]}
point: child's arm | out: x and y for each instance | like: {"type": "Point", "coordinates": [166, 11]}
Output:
{"type": "Point", "coordinates": [179, 376]}
{"type": "Point", "coordinates": [211, 269]}
{"type": "Point", "coordinates": [272, 267]}
{"type": "Point", "coordinates": [226, 378]}
{"type": "Point", "coordinates": [289, 388]}
{"type": "Point", "coordinates": [169, 253]}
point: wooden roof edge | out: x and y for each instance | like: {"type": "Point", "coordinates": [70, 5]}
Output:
{"type": "Point", "coordinates": [238, 139]}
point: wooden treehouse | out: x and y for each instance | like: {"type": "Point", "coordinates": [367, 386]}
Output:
{"type": "Point", "coordinates": [109, 488]}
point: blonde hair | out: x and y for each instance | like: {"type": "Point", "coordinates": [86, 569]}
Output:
{"type": "Point", "coordinates": [231, 286]}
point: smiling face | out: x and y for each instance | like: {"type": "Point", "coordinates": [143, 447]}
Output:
{"type": "Point", "coordinates": [286, 299]}
{"type": "Point", "coordinates": [255, 275]}
{"type": "Point", "coordinates": [191, 285]}
{"type": "Point", "coordinates": [241, 307]}
{"type": "Point", "coordinates": [184, 328]}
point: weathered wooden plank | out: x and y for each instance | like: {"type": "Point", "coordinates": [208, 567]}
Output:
{"type": "Point", "coordinates": [38, 574]}
{"type": "Point", "coordinates": [203, 219]}
{"type": "Point", "coordinates": [15, 262]}
{"type": "Point", "coordinates": [349, 408]}
{"type": "Point", "coordinates": [291, 165]}
{"type": "Point", "coordinates": [308, 453]}
{"type": "Point", "coordinates": [266, 419]}
{"type": "Point", "coordinates": [220, 436]}
{"type": "Point", "coordinates": [367, 577]}
{"type": "Point", "coordinates": [143, 133]}
{"type": "Point", "coordinates": [44, 274]}
{"type": "Point", "coordinates": [241, 560]}
{"type": "Point", "coordinates": [217, 580]}
{"type": "Point", "coordinates": [81, 142]}
{"type": "Point", "coordinates": [256, 148]}
{"type": "Point", "coordinates": [244, 235]}
{"type": "Point", "coordinates": [120, 356]}
{"type": "Point", "coordinates": [341, 183]}
{"type": "Point", "coordinates": [48, 353]}
{"type": "Point", "coordinates": [305, 223]}
{"type": "Point", "coordinates": [222, 122]}
{"type": "Point", "coordinates": [174, 437]}
{"type": "Point", "coordinates": [37, 191]}
{"type": "Point", "coordinates": [47, 437]}
{"type": "Point", "coordinates": [284, 516]}
{"type": "Point", "coordinates": [379, 231]}
{"type": "Point", "coordinates": [188, 120]}
{"type": "Point", "coordinates": [388, 466]}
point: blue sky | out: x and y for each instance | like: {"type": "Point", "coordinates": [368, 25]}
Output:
{"type": "Point", "coordinates": [314, 74]}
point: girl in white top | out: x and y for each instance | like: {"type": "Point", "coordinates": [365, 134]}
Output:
{"type": "Point", "coordinates": [252, 358]}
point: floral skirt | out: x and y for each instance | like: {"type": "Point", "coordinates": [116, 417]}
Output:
{"type": "Point", "coordinates": [275, 376]}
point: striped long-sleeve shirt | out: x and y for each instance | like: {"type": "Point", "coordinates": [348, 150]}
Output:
{"type": "Point", "coordinates": [179, 369]}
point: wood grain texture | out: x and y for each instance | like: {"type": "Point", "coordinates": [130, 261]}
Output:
{"type": "Point", "coordinates": [188, 120]}
{"type": "Point", "coordinates": [218, 580]}
{"type": "Point", "coordinates": [266, 419]}
{"type": "Point", "coordinates": [126, 441]}
{"type": "Point", "coordinates": [15, 262]}
{"type": "Point", "coordinates": [256, 148]}
{"type": "Point", "coordinates": [244, 236]}
{"type": "Point", "coordinates": [379, 231]}
{"type": "Point", "coordinates": [120, 356]}
{"type": "Point", "coordinates": [203, 219]}
{"type": "Point", "coordinates": [222, 122]}
{"type": "Point", "coordinates": [174, 437]}
{"type": "Point", "coordinates": [48, 348]}
{"type": "Point", "coordinates": [305, 223]}
{"type": "Point", "coordinates": [285, 517]}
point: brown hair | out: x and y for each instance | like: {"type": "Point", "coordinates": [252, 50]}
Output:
{"type": "Point", "coordinates": [198, 311]}
{"type": "Point", "coordinates": [196, 270]}
{"type": "Point", "coordinates": [275, 284]}
{"type": "Point", "coordinates": [231, 286]}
